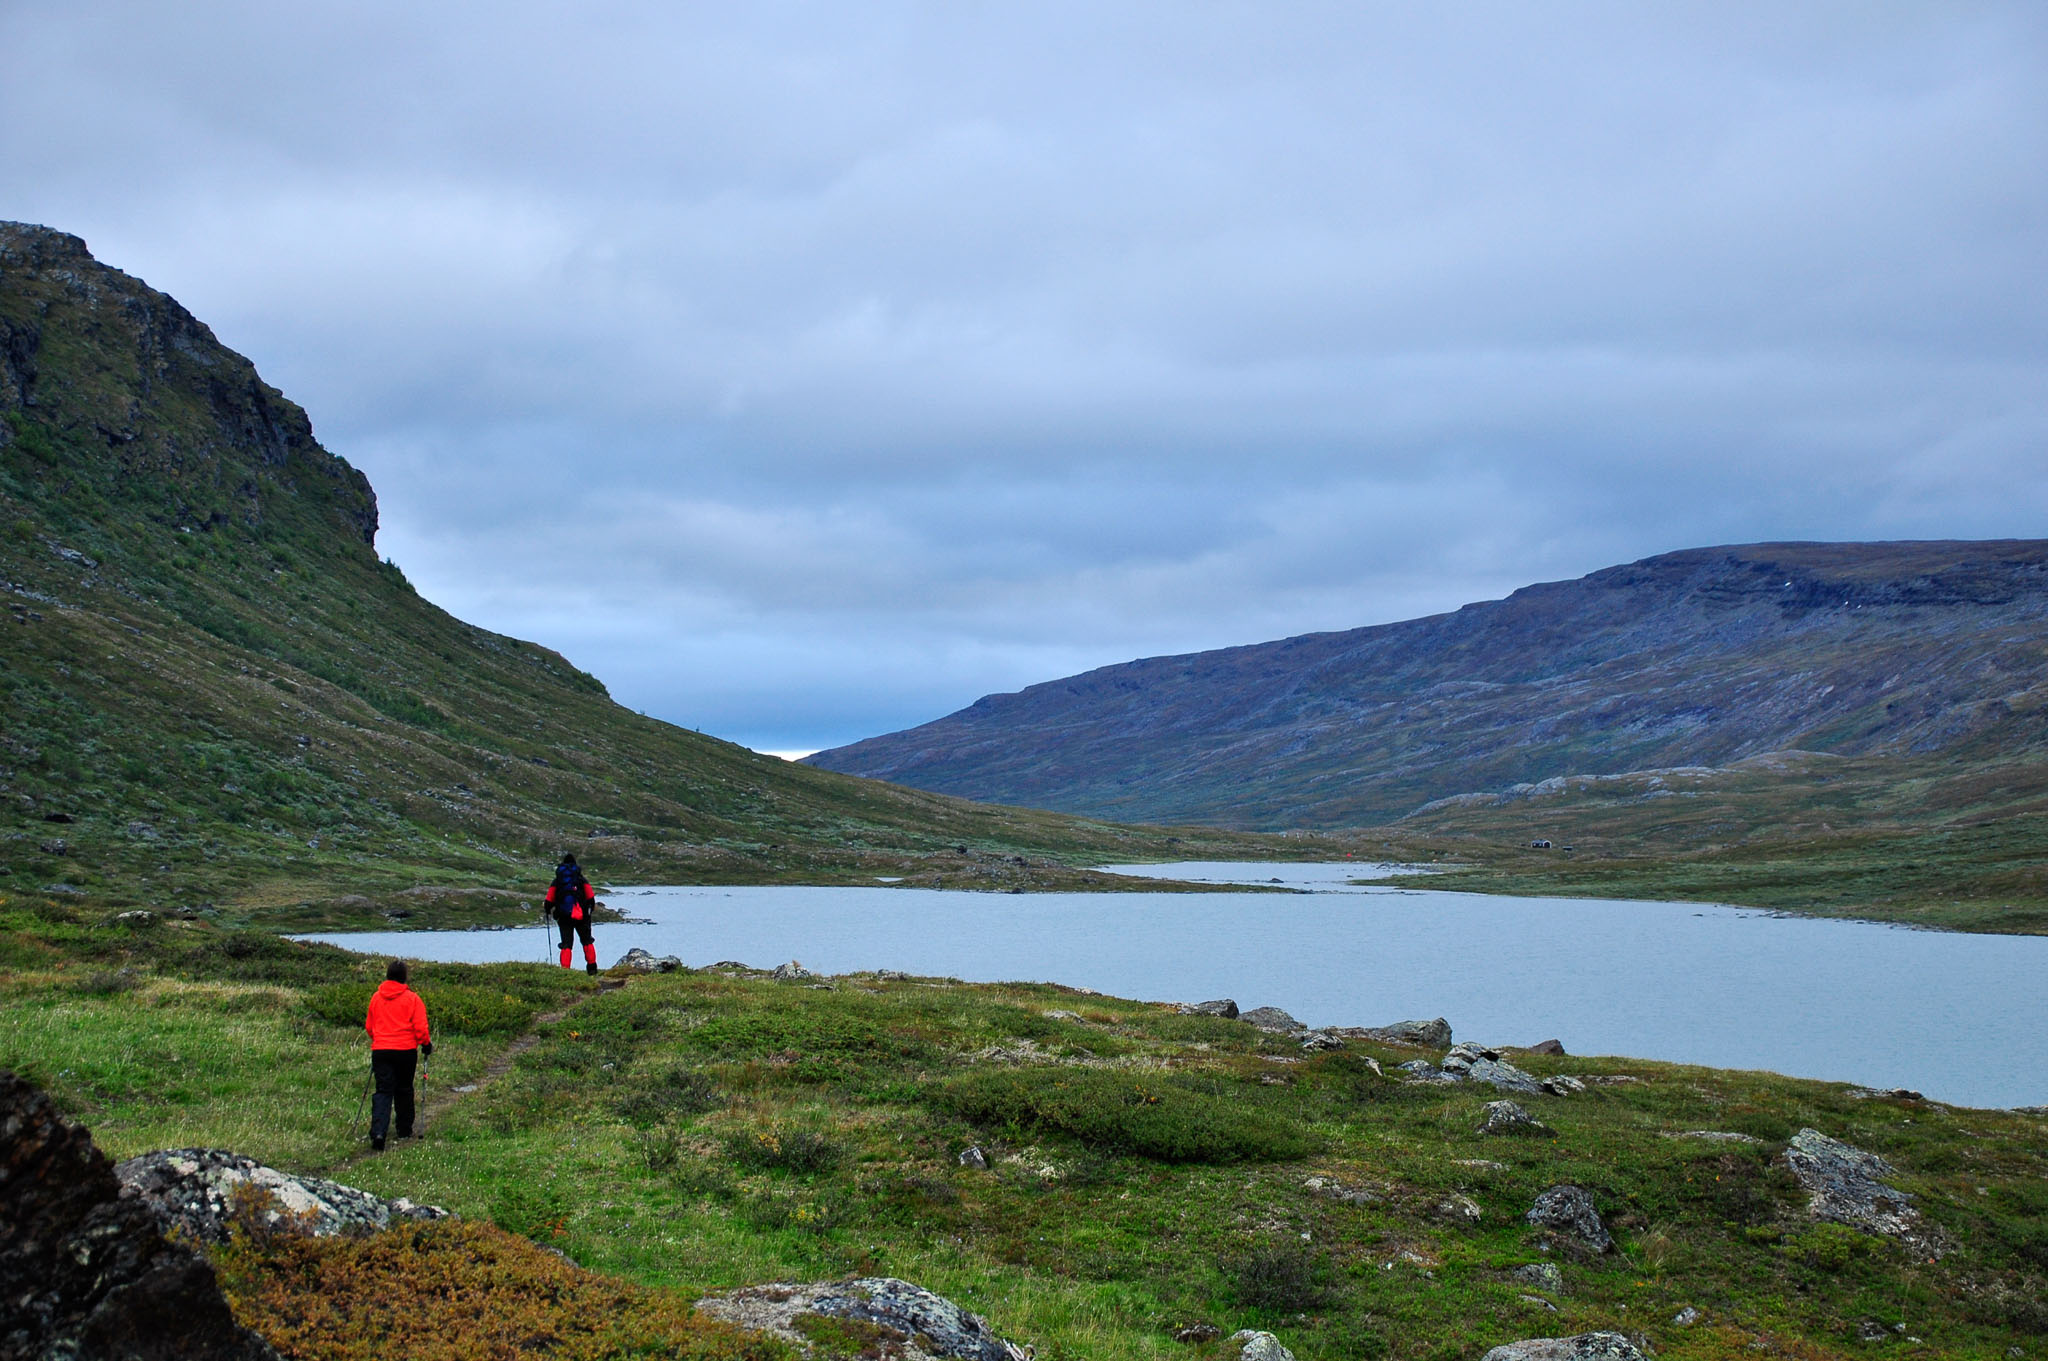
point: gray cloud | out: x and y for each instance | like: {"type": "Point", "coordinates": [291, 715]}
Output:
{"type": "Point", "coordinates": [893, 355]}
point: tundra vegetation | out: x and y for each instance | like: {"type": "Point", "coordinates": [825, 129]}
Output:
{"type": "Point", "coordinates": [1140, 1171]}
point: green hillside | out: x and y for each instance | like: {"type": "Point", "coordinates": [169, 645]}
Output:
{"type": "Point", "coordinates": [215, 693]}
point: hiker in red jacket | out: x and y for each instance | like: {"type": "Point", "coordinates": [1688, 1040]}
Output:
{"type": "Point", "coordinates": [397, 1022]}
{"type": "Point", "coordinates": [570, 902]}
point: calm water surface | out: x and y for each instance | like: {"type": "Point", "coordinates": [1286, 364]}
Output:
{"type": "Point", "coordinates": [1963, 1018]}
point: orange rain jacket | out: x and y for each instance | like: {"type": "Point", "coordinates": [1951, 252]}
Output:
{"type": "Point", "coordinates": [397, 1018]}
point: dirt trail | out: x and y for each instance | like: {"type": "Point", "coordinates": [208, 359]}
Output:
{"type": "Point", "coordinates": [439, 1102]}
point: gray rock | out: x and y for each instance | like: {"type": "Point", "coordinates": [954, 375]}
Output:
{"type": "Point", "coordinates": [192, 1190]}
{"type": "Point", "coordinates": [1319, 1041]}
{"type": "Point", "coordinates": [1456, 1209]}
{"type": "Point", "coordinates": [1582, 1347]}
{"type": "Point", "coordinates": [1569, 1210]}
{"type": "Point", "coordinates": [916, 1325]}
{"type": "Point", "coordinates": [1422, 1070]}
{"type": "Point", "coordinates": [1543, 1275]}
{"type": "Point", "coordinates": [139, 917]}
{"type": "Point", "coordinates": [1551, 1047]}
{"type": "Point", "coordinates": [792, 970]}
{"type": "Point", "coordinates": [1197, 1332]}
{"type": "Point", "coordinates": [1425, 1034]}
{"type": "Point", "coordinates": [1253, 1345]}
{"type": "Point", "coordinates": [974, 1158]}
{"type": "Point", "coordinates": [1686, 1317]}
{"type": "Point", "coordinates": [1844, 1184]}
{"type": "Point", "coordinates": [1223, 1007]}
{"type": "Point", "coordinates": [1273, 1019]}
{"type": "Point", "coordinates": [640, 961]}
{"type": "Point", "coordinates": [1505, 1117]}
{"type": "Point", "coordinates": [1563, 1085]}
{"type": "Point", "coordinates": [1477, 1063]}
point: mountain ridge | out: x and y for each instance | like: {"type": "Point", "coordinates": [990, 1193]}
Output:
{"type": "Point", "coordinates": [1698, 657]}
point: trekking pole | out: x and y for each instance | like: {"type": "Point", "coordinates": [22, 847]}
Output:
{"type": "Point", "coordinates": [420, 1125]}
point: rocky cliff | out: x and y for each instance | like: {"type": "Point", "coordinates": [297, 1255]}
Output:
{"type": "Point", "coordinates": [1698, 658]}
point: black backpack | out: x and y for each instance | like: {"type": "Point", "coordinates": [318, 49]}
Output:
{"type": "Point", "coordinates": [568, 885]}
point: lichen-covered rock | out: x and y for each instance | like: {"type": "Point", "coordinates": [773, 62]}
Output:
{"type": "Point", "coordinates": [193, 1191]}
{"type": "Point", "coordinates": [1273, 1019]}
{"type": "Point", "coordinates": [1844, 1184]}
{"type": "Point", "coordinates": [1253, 1345]}
{"type": "Point", "coordinates": [640, 961]}
{"type": "Point", "coordinates": [1476, 1063]}
{"type": "Point", "coordinates": [1222, 1006]}
{"type": "Point", "coordinates": [1569, 1210]}
{"type": "Point", "coordinates": [1582, 1347]}
{"type": "Point", "coordinates": [85, 1271]}
{"type": "Point", "coordinates": [1505, 1117]}
{"type": "Point", "coordinates": [792, 970]}
{"type": "Point", "coordinates": [1420, 1034]}
{"type": "Point", "coordinates": [1543, 1275]}
{"type": "Point", "coordinates": [915, 1324]}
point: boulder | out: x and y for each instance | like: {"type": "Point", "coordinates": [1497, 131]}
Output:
{"type": "Point", "coordinates": [1253, 1345]}
{"type": "Point", "coordinates": [1844, 1184]}
{"type": "Point", "coordinates": [1505, 1117]}
{"type": "Point", "coordinates": [1543, 1275]}
{"type": "Point", "coordinates": [792, 970]}
{"type": "Point", "coordinates": [1568, 1210]}
{"type": "Point", "coordinates": [914, 1324]}
{"type": "Point", "coordinates": [1422, 1034]}
{"type": "Point", "coordinates": [86, 1271]}
{"type": "Point", "coordinates": [1273, 1019]}
{"type": "Point", "coordinates": [1197, 1332]}
{"type": "Point", "coordinates": [1320, 1041]}
{"type": "Point", "coordinates": [1552, 1047]}
{"type": "Point", "coordinates": [1582, 1347]}
{"type": "Point", "coordinates": [1223, 1007]}
{"type": "Point", "coordinates": [1563, 1085]}
{"type": "Point", "coordinates": [1476, 1063]}
{"type": "Point", "coordinates": [640, 961]}
{"type": "Point", "coordinates": [193, 1190]}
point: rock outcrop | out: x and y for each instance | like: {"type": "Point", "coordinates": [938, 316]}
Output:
{"type": "Point", "coordinates": [1223, 1007]}
{"type": "Point", "coordinates": [1253, 1345]}
{"type": "Point", "coordinates": [194, 1191]}
{"type": "Point", "coordinates": [1273, 1019]}
{"type": "Point", "coordinates": [85, 1272]}
{"type": "Point", "coordinates": [1568, 1212]}
{"type": "Point", "coordinates": [908, 1321]}
{"type": "Point", "coordinates": [1505, 1117]}
{"type": "Point", "coordinates": [1844, 1184]}
{"type": "Point", "coordinates": [1582, 1347]}
{"type": "Point", "coordinates": [640, 961]}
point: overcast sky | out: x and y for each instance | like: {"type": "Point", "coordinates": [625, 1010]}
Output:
{"type": "Point", "coordinates": [807, 371]}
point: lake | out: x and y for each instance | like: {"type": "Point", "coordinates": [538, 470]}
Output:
{"type": "Point", "coordinates": [1963, 1018]}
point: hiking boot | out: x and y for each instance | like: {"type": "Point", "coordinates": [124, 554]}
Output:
{"type": "Point", "coordinates": [376, 1144]}
{"type": "Point", "coordinates": [590, 968]}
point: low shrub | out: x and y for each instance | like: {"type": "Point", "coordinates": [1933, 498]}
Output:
{"type": "Point", "coordinates": [674, 1094]}
{"type": "Point", "coordinates": [1151, 1115]}
{"type": "Point", "coordinates": [536, 1210]}
{"type": "Point", "coordinates": [783, 1150]}
{"type": "Point", "coordinates": [1286, 1277]}
{"type": "Point", "coordinates": [459, 1291]}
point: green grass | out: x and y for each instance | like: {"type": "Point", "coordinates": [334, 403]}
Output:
{"type": "Point", "coordinates": [694, 1132]}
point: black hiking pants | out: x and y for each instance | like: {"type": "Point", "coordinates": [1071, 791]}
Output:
{"type": "Point", "coordinates": [393, 1069]}
{"type": "Point", "coordinates": [579, 927]}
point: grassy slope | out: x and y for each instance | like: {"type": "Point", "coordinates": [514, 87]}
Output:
{"type": "Point", "coordinates": [205, 665]}
{"type": "Point", "coordinates": [696, 1132]}
{"type": "Point", "coordinates": [1954, 842]}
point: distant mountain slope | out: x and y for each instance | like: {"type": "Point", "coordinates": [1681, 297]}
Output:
{"type": "Point", "coordinates": [1697, 658]}
{"type": "Point", "coordinates": [211, 688]}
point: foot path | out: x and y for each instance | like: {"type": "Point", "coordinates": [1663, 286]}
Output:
{"type": "Point", "coordinates": [438, 1103]}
